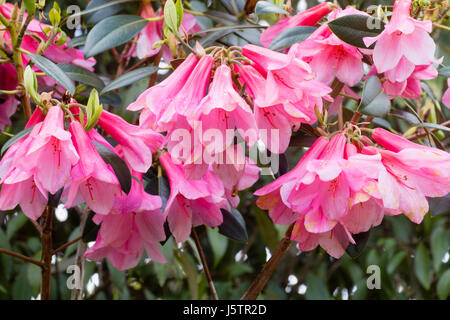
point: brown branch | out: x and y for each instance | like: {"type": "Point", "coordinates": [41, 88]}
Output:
{"type": "Point", "coordinates": [67, 244]}
{"type": "Point", "coordinates": [261, 280]}
{"type": "Point", "coordinates": [20, 256]}
{"type": "Point", "coordinates": [77, 293]}
{"type": "Point", "coordinates": [47, 252]}
{"type": "Point", "coordinates": [205, 265]}
{"type": "Point", "coordinates": [424, 133]}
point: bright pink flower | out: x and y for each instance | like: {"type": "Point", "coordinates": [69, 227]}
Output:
{"type": "Point", "coordinates": [224, 109]}
{"type": "Point", "coordinates": [134, 223]}
{"type": "Point", "coordinates": [308, 17]}
{"type": "Point", "coordinates": [155, 100]}
{"type": "Point", "coordinates": [409, 173]}
{"type": "Point", "coordinates": [92, 178]}
{"type": "Point", "coordinates": [192, 202]}
{"type": "Point", "coordinates": [137, 143]}
{"type": "Point", "coordinates": [404, 44]}
{"type": "Point", "coordinates": [446, 96]}
{"type": "Point", "coordinates": [329, 56]}
{"type": "Point", "coordinates": [8, 103]}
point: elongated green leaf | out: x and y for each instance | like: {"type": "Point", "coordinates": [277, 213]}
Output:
{"type": "Point", "coordinates": [374, 101]}
{"type": "Point", "coordinates": [218, 244]}
{"type": "Point", "coordinates": [440, 244]}
{"type": "Point", "coordinates": [102, 7]}
{"type": "Point", "coordinates": [396, 261]}
{"type": "Point", "coordinates": [91, 229]}
{"type": "Point", "coordinates": [264, 7]}
{"type": "Point", "coordinates": [129, 78]}
{"type": "Point", "coordinates": [16, 138]}
{"type": "Point", "coordinates": [15, 224]}
{"type": "Point", "coordinates": [119, 166]}
{"type": "Point", "coordinates": [354, 27]}
{"type": "Point", "coordinates": [112, 32]}
{"type": "Point", "coordinates": [316, 288]}
{"type": "Point", "coordinates": [77, 73]}
{"type": "Point", "coordinates": [267, 229]}
{"type": "Point", "coordinates": [111, 8]}
{"type": "Point", "coordinates": [77, 42]}
{"type": "Point", "coordinates": [233, 225]}
{"type": "Point", "coordinates": [30, 5]}
{"type": "Point", "coordinates": [445, 72]}
{"type": "Point", "coordinates": [422, 266]}
{"type": "Point", "coordinates": [432, 126]}
{"type": "Point", "coordinates": [171, 16]}
{"type": "Point", "coordinates": [53, 71]}
{"type": "Point", "coordinates": [290, 36]}
{"type": "Point", "coordinates": [443, 285]}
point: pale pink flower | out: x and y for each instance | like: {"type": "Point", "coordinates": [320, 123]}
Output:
{"type": "Point", "coordinates": [134, 223]}
{"type": "Point", "coordinates": [192, 202]}
{"type": "Point", "coordinates": [137, 143]}
{"type": "Point", "coordinates": [404, 44]}
{"type": "Point", "coordinates": [308, 17]}
{"type": "Point", "coordinates": [92, 178]}
{"type": "Point", "coordinates": [446, 96]}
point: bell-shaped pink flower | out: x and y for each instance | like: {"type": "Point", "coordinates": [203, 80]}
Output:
{"type": "Point", "coordinates": [329, 56]}
{"type": "Point", "coordinates": [308, 17]}
{"type": "Point", "coordinates": [446, 96]}
{"type": "Point", "coordinates": [92, 178]}
{"type": "Point", "coordinates": [223, 109]}
{"type": "Point", "coordinates": [192, 202]}
{"type": "Point", "coordinates": [403, 44]}
{"type": "Point", "coordinates": [155, 100]}
{"type": "Point", "coordinates": [134, 223]}
{"type": "Point", "coordinates": [137, 143]}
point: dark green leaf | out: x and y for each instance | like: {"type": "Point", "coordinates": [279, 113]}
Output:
{"type": "Point", "coordinates": [354, 250]}
{"type": "Point", "coordinates": [53, 71]}
{"type": "Point", "coordinates": [157, 186]}
{"type": "Point", "coordinates": [440, 244]}
{"type": "Point", "coordinates": [443, 285]}
{"type": "Point", "coordinates": [432, 126]}
{"type": "Point", "coordinates": [218, 244]}
{"type": "Point", "coordinates": [16, 138]}
{"type": "Point", "coordinates": [119, 166]}
{"type": "Point", "coordinates": [290, 36]}
{"type": "Point", "coordinates": [14, 225]}
{"type": "Point", "coordinates": [129, 78]}
{"type": "Point", "coordinates": [422, 266]}
{"type": "Point", "coordinates": [374, 101]}
{"type": "Point", "coordinates": [111, 98]}
{"type": "Point", "coordinates": [264, 7]}
{"type": "Point", "coordinates": [77, 73]}
{"type": "Point", "coordinates": [77, 42]}
{"type": "Point", "coordinates": [91, 229]}
{"type": "Point", "coordinates": [103, 9]}
{"type": "Point", "coordinates": [267, 229]}
{"type": "Point", "coordinates": [353, 28]}
{"type": "Point", "coordinates": [233, 225]}
{"type": "Point", "coordinates": [316, 288]}
{"type": "Point", "coordinates": [445, 72]}
{"type": "Point", "coordinates": [112, 32]}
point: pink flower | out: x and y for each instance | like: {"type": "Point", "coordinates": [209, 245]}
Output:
{"type": "Point", "coordinates": [224, 109]}
{"type": "Point", "coordinates": [153, 33]}
{"type": "Point", "coordinates": [8, 103]}
{"type": "Point", "coordinates": [404, 44]}
{"type": "Point", "coordinates": [137, 143]}
{"type": "Point", "coordinates": [308, 17]}
{"type": "Point", "coordinates": [155, 100]}
{"type": "Point", "coordinates": [92, 178]}
{"type": "Point", "coordinates": [134, 223]}
{"type": "Point", "coordinates": [446, 96]}
{"type": "Point", "coordinates": [409, 173]}
{"type": "Point", "coordinates": [192, 202]}
{"type": "Point", "coordinates": [329, 56]}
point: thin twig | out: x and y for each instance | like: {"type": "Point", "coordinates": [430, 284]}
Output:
{"type": "Point", "coordinates": [205, 265]}
{"type": "Point", "coordinates": [67, 244]}
{"type": "Point", "coordinates": [20, 256]}
{"type": "Point", "coordinates": [261, 280]}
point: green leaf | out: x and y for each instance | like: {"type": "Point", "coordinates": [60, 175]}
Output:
{"type": "Point", "coordinates": [77, 42]}
{"type": "Point", "coordinates": [103, 7]}
{"type": "Point", "coordinates": [264, 7]}
{"type": "Point", "coordinates": [353, 28]}
{"type": "Point", "coordinates": [443, 285]}
{"type": "Point", "coordinates": [445, 72]}
{"type": "Point", "coordinates": [171, 16]}
{"type": "Point", "coordinates": [108, 9]}
{"type": "Point", "coordinates": [374, 101]}
{"type": "Point", "coordinates": [218, 244]}
{"type": "Point", "coordinates": [422, 266]}
{"type": "Point", "coordinates": [30, 5]}
{"type": "Point", "coordinates": [440, 244]}
{"type": "Point", "coordinates": [82, 75]}
{"type": "Point", "coordinates": [129, 78]}
{"type": "Point", "coordinates": [432, 126]}
{"type": "Point", "coordinates": [21, 286]}
{"type": "Point", "coordinates": [316, 288]}
{"type": "Point", "coordinates": [16, 138]}
{"type": "Point", "coordinates": [91, 229]}
{"type": "Point", "coordinates": [179, 7]}
{"type": "Point", "coordinates": [112, 32]}
{"type": "Point", "coordinates": [119, 166]}
{"type": "Point", "coordinates": [396, 261]}
{"type": "Point", "coordinates": [267, 229]}
{"type": "Point", "coordinates": [190, 270]}
{"type": "Point", "coordinates": [233, 225]}
{"type": "Point", "coordinates": [53, 71]}
{"type": "Point", "coordinates": [290, 36]}
{"type": "Point", "coordinates": [354, 250]}
{"type": "Point", "coordinates": [14, 225]}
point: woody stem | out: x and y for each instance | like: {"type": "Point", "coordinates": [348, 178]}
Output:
{"type": "Point", "coordinates": [47, 252]}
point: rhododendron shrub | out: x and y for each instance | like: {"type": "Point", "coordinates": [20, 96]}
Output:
{"type": "Point", "coordinates": [176, 145]}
